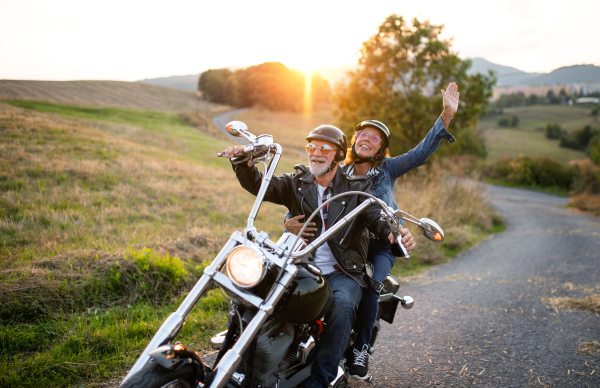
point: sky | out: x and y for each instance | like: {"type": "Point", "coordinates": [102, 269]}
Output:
{"type": "Point", "coordinates": [129, 40]}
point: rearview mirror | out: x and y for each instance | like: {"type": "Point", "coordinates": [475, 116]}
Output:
{"type": "Point", "coordinates": [236, 128]}
{"type": "Point", "coordinates": [431, 230]}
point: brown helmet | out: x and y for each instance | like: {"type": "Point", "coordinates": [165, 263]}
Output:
{"type": "Point", "coordinates": [331, 134]}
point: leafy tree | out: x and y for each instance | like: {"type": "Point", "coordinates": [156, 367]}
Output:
{"type": "Point", "coordinates": [214, 84]}
{"type": "Point", "coordinates": [533, 99]}
{"type": "Point", "coordinates": [401, 71]}
{"type": "Point", "coordinates": [552, 97]}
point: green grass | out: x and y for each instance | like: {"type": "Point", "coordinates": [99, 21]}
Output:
{"type": "Point", "coordinates": [529, 138]}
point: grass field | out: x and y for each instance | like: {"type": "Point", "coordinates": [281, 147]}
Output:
{"type": "Point", "coordinates": [529, 138]}
{"type": "Point", "coordinates": [108, 216]}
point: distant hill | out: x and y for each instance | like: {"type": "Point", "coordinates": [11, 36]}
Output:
{"type": "Point", "coordinates": [570, 74]}
{"type": "Point", "coordinates": [183, 82]}
{"type": "Point", "coordinates": [507, 75]}
{"type": "Point", "coordinates": [117, 94]}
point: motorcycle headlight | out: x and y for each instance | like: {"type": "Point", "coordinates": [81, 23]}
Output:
{"type": "Point", "coordinates": [246, 266]}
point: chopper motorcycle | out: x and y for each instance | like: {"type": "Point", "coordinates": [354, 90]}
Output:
{"type": "Point", "coordinates": [277, 300]}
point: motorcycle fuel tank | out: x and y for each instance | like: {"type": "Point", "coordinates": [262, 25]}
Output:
{"type": "Point", "coordinates": [307, 298]}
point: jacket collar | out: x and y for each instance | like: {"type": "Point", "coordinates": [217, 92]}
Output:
{"type": "Point", "coordinates": [309, 192]}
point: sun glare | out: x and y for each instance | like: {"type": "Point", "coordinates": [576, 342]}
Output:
{"type": "Point", "coordinates": [308, 92]}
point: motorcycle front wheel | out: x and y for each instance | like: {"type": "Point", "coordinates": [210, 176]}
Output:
{"type": "Point", "coordinates": [155, 376]}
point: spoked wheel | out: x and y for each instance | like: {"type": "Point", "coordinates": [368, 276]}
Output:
{"type": "Point", "coordinates": [155, 376]}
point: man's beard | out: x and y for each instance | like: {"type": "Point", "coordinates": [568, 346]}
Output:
{"type": "Point", "coordinates": [318, 169]}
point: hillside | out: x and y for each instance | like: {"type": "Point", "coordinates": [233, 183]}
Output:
{"type": "Point", "coordinates": [184, 82]}
{"type": "Point", "coordinates": [507, 75]}
{"type": "Point", "coordinates": [529, 138]}
{"type": "Point", "coordinates": [116, 94]}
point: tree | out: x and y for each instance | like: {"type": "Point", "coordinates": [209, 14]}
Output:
{"type": "Point", "coordinates": [214, 83]}
{"type": "Point", "coordinates": [552, 97]}
{"type": "Point", "coordinates": [401, 71]}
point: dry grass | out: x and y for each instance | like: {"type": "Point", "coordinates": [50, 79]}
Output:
{"type": "Point", "coordinates": [589, 303]}
{"type": "Point", "coordinates": [459, 207]}
{"type": "Point", "coordinates": [76, 187]}
{"type": "Point", "coordinates": [589, 203]}
{"type": "Point", "coordinates": [591, 348]}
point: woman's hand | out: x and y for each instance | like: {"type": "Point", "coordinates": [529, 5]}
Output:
{"type": "Point", "coordinates": [294, 225]}
{"type": "Point", "coordinates": [451, 97]}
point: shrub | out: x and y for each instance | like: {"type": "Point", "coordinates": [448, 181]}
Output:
{"type": "Point", "coordinates": [503, 122]}
{"type": "Point", "coordinates": [553, 131]}
{"type": "Point", "coordinates": [527, 171]}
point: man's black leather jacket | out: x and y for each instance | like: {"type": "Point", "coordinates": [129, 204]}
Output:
{"type": "Point", "coordinates": [298, 192]}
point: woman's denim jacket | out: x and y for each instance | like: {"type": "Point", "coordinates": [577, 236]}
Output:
{"type": "Point", "coordinates": [393, 167]}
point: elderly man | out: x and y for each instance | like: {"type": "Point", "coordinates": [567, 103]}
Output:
{"type": "Point", "coordinates": [343, 259]}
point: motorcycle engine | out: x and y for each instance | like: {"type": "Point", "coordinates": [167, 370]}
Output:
{"type": "Point", "coordinates": [273, 344]}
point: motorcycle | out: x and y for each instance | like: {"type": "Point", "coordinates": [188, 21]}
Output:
{"type": "Point", "coordinates": [277, 300]}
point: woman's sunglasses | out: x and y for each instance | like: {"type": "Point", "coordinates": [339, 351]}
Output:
{"type": "Point", "coordinates": [373, 139]}
{"type": "Point", "coordinates": [311, 148]}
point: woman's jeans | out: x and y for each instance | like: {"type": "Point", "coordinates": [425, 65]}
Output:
{"type": "Point", "coordinates": [383, 260]}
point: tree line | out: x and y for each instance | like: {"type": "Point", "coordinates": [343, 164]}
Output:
{"type": "Point", "coordinates": [270, 85]}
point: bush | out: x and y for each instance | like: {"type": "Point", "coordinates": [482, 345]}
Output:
{"type": "Point", "coordinates": [527, 171]}
{"type": "Point", "coordinates": [503, 122]}
{"type": "Point", "coordinates": [580, 140]}
{"type": "Point", "coordinates": [553, 131]}
{"type": "Point", "coordinates": [514, 121]}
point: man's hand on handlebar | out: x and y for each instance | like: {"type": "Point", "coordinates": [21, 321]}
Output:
{"type": "Point", "coordinates": [232, 152]}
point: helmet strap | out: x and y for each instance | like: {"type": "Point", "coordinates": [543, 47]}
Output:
{"type": "Point", "coordinates": [360, 160]}
{"type": "Point", "coordinates": [331, 167]}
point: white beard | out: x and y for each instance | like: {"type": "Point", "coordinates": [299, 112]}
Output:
{"type": "Point", "coordinates": [318, 169]}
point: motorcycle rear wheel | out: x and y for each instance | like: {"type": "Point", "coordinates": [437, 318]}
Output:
{"type": "Point", "coordinates": [155, 376]}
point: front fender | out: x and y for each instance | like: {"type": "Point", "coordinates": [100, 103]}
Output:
{"type": "Point", "coordinates": [174, 356]}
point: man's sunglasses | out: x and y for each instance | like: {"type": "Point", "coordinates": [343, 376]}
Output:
{"type": "Point", "coordinates": [311, 148]}
{"type": "Point", "coordinates": [373, 139]}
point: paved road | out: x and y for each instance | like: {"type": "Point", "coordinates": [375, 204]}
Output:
{"type": "Point", "coordinates": [221, 123]}
{"type": "Point", "coordinates": [483, 319]}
